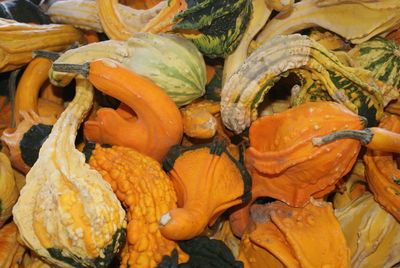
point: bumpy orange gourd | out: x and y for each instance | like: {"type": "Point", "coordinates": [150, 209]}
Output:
{"type": "Point", "coordinates": [383, 174]}
{"type": "Point", "coordinates": [149, 121]}
{"type": "Point", "coordinates": [208, 181]}
{"type": "Point", "coordinates": [283, 161]}
{"type": "Point", "coordinates": [284, 236]}
{"type": "Point", "coordinates": [146, 191]}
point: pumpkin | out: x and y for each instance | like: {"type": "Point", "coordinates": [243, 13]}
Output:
{"type": "Point", "coordinates": [23, 11]}
{"type": "Point", "coordinates": [52, 37]}
{"type": "Point", "coordinates": [83, 14]}
{"type": "Point", "coordinates": [200, 21]}
{"type": "Point", "coordinates": [284, 163]}
{"type": "Point", "coordinates": [382, 172]}
{"type": "Point", "coordinates": [146, 191]}
{"type": "Point", "coordinates": [372, 234]}
{"type": "Point", "coordinates": [8, 189]}
{"type": "Point", "coordinates": [381, 56]}
{"type": "Point", "coordinates": [208, 181]}
{"type": "Point", "coordinates": [172, 62]}
{"type": "Point", "coordinates": [372, 18]}
{"type": "Point", "coordinates": [245, 89]}
{"type": "Point", "coordinates": [284, 236]}
{"type": "Point", "coordinates": [66, 212]}
{"type": "Point", "coordinates": [140, 123]}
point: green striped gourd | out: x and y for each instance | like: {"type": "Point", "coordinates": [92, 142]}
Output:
{"type": "Point", "coordinates": [170, 61]}
{"type": "Point", "coordinates": [245, 89]}
{"type": "Point", "coordinates": [381, 56]}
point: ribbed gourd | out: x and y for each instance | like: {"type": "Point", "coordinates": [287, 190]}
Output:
{"type": "Point", "coordinates": [170, 61]}
{"type": "Point", "coordinates": [246, 87]}
{"type": "Point", "coordinates": [66, 212]}
{"type": "Point", "coordinates": [372, 234]}
{"type": "Point", "coordinates": [147, 193]}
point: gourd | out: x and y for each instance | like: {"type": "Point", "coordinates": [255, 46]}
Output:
{"type": "Point", "coordinates": [329, 40]}
{"type": "Point", "coordinates": [140, 4]}
{"type": "Point", "coordinates": [66, 212]}
{"type": "Point", "coordinates": [10, 249]}
{"type": "Point", "coordinates": [381, 56]}
{"type": "Point", "coordinates": [284, 236]}
{"type": "Point", "coordinates": [284, 163]}
{"type": "Point", "coordinates": [382, 171]}
{"type": "Point", "coordinates": [171, 62]}
{"type": "Point", "coordinates": [23, 11]}
{"type": "Point", "coordinates": [225, 235]}
{"type": "Point", "coordinates": [83, 14]}
{"type": "Point", "coordinates": [372, 18]}
{"type": "Point", "coordinates": [372, 234]}
{"type": "Point", "coordinates": [8, 189]}
{"type": "Point", "coordinates": [141, 123]}
{"type": "Point", "coordinates": [52, 37]}
{"type": "Point", "coordinates": [146, 191]}
{"type": "Point", "coordinates": [245, 89]}
{"type": "Point", "coordinates": [200, 21]}
{"type": "Point", "coordinates": [208, 181]}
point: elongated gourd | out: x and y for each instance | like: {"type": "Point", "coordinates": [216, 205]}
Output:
{"type": "Point", "coordinates": [18, 40]}
{"type": "Point", "coordinates": [83, 14]}
{"type": "Point", "coordinates": [66, 212]}
{"type": "Point", "coordinates": [372, 18]}
{"type": "Point", "coordinates": [246, 87]}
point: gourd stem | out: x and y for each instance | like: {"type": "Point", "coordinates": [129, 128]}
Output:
{"type": "Point", "coordinates": [46, 54]}
{"type": "Point", "coordinates": [82, 69]}
{"type": "Point", "coordinates": [364, 136]}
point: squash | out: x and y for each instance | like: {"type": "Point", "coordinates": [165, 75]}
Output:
{"type": "Point", "coordinates": [66, 212]}
{"type": "Point", "coordinates": [284, 163]}
{"type": "Point", "coordinates": [372, 234]}
{"type": "Point", "coordinates": [140, 123]}
{"type": "Point", "coordinates": [284, 236]}
{"type": "Point", "coordinates": [83, 14]}
{"type": "Point", "coordinates": [23, 11]}
{"type": "Point", "coordinates": [382, 171]}
{"type": "Point", "coordinates": [146, 191]}
{"type": "Point", "coordinates": [338, 16]}
{"type": "Point", "coordinates": [208, 181]}
{"type": "Point", "coordinates": [8, 189]}
{"type": "Point", "coordinates": [52, 37]}
{"type": "Point", "coordinates": [170, 61]}
{"type": "Point", "coordinates": [245, 89]}
{"type": "Point", "coordinates": [200, 21]}
{"type": "Point", "coordinates": [382, 57]}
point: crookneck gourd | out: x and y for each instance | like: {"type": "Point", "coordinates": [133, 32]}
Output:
{"type": "Point", "coordinates": [170, 61]}
{"type": "Point", "coordinates": [245, 89]}
{"type": "Point", "coordinates": [372, 18]}
{"type": "Point", "coordinates": [66, 212]}
{"type": "Point", "coordinates": [284, 163]}
{"type": "Point", "coordinates": [215, 27]}
{"type": "Point", "coordinates": [283, 236]}
{"type": "Point", "coordinates": [83, 14]}
{"type": "Point", "coordinates": [151, 127]}
{"type": "Point", "coordinates": [383, 173]}
{"type": "Point", "coordinates": [18, 40]}
{"type": "Point", "coordinates": [146, 191]}
{"type": "Point", "coordinates": [208, 181]}
{"type": "Point", "coordinates": [8, 189]}
{"type": "Point", "coordinates": [372, 234]}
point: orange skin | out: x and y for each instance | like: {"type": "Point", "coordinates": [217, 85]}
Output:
{"type": "Point", "coordinates": [158, 125]}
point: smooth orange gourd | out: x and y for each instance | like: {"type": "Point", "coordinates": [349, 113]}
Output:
{"type": "Point", "coordinates": [158, 125]}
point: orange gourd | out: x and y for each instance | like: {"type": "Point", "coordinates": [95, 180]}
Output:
{"type": "Point", "coordinates": [208, 181]}
{"type": "Point", "coordinates": [283, 161]}
{"type": "Point", "coordinates": [149, 121]}
{"type": "Point", "coordinates": [383, 174]}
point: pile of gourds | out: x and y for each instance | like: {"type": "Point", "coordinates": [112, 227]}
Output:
{"type": "Point", "coordinates": [201, 133]}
